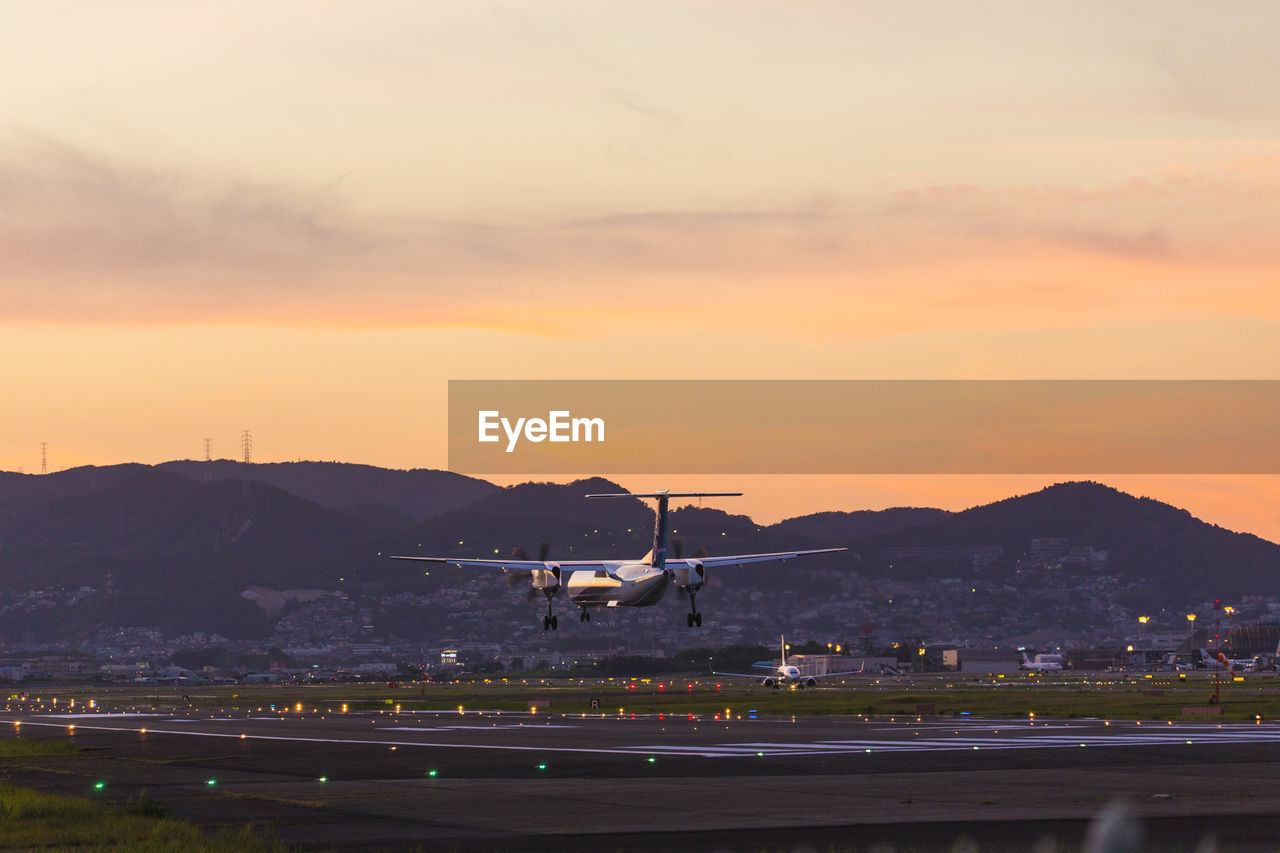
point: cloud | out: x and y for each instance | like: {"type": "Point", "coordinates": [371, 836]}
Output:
{"type": "Point", "coordinates": [84, 238]}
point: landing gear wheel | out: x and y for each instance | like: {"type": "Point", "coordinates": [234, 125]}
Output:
{"type": "Point", "coordinates": [554, 623]}
{"type": "Point", "coordinates": [546, 622]}
{"type": "Point", "coordinates": [697, 619]}
{"type": "Point", "coordinates": [689, 619]}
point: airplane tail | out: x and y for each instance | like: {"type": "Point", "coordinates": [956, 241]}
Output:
{"type": "Point", "coordinates": [784, 649]}
{"type": "Point", "coordinates": [659, 554]}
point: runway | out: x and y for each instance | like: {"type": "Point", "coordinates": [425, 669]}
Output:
{"type": "Point", "coordinates": [488, 780]}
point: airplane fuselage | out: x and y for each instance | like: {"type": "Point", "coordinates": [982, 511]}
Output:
{"type": "Point", "coordinates": [618, 585]}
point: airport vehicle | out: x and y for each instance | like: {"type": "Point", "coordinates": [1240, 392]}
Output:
{"type": "Point", "coordinates": [621, 582]}
{"type": "Point", "coordinates": [784, 673]}
{"type": "Point", "coordinates": [1042, 663]}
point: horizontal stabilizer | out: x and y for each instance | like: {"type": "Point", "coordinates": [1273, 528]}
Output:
{"type": "Point", "coordinates": [672, 495]}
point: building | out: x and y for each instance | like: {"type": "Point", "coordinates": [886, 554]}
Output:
{"type": "Point", "coordinates": [990, 661]}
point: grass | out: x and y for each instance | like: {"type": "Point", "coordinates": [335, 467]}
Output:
{"type": "Point", "coordinates": [18, 748]}
{"type": "Point", "coordinates": [1068, 695]}
{"type": "Point", "coordinates": [29, 819]}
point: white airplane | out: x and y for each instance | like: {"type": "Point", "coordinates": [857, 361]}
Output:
{"type": "Point", "coordinates": [1039, 665]}
{"type": "Point", "coordinates": [1221, 663]}
{"type": "Point", "coordinates": [623, 583]}
{"type": "Point", "coordinates": [785, 673]}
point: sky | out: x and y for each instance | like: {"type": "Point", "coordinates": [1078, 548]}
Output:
{"type": "Point", "coordinates": [303, 219]}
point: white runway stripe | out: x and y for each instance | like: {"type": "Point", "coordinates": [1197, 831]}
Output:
{"type": "Point", "coordinates": [1088, 736]}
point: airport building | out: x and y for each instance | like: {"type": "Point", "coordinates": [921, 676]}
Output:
{"type": "Point", "coordinates": [981, 660]}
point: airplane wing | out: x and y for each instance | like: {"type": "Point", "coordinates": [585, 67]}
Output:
{"type": "Point", "coordinates": [740, 559]}
{"type": "Point", "coordinates": [747, 674]}
{"type": "Point", "coordinates": [834, 674]}
{"type": "Point", "coordinates": [512, 565]}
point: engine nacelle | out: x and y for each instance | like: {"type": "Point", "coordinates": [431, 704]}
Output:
{"type": "Point", "coordinates": [546, 578]}
{"type": "Point", "coordinates": [811, 682]}
{"type": "Point", "coordinates": [770, 682]}
{"type": "Point", "coordinates": [692, 577]}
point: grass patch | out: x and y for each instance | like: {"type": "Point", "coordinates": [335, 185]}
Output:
{"type": "Point", "coordinates": [29, 819]}
{"type": "Point", "coordinates": [18, 748]}
{"type": "Point", "coordinates": [1068, 695]}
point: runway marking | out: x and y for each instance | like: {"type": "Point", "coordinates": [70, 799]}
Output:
{"type": "Point", "coordinates": [489, 728]}
{"type": "Point", "coordinates": [1088, 736]}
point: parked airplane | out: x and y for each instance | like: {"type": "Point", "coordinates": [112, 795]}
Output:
{"type": "Point", "coordinates": [1221, 663]}
{"type": "Point", "coordinates": [785, 673]}
{"type": "Point", "coordinates": [623, 583]}
{"type": "Point", "coordinates": [1040, 664]}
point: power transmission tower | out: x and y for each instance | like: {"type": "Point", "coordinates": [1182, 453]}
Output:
{"type": "Point", "coordinates": [246, 444]}
{"type": "Point", "coordinates": [44, 457]}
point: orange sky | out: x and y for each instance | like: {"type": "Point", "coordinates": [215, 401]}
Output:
{"type": "Point", "coordinates": [303, 221]}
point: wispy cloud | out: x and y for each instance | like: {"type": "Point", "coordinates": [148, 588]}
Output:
{"type": "Point", "coordinates": [84, 238]}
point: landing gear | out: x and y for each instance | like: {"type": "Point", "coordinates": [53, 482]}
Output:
{"type": "Point", "coordinates": [694, 617]}
{"type": "Point", "coordinates": [585, 615]}
{"type": "Point", "coordinates": [549, 621]}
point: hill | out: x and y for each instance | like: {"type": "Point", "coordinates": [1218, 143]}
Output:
{"type": "Point", "coordinates": [418, 493]}
{"type": "Point", "coordinates": [180, 551]}
{"type": "Point", "coordinates": [1146, 541]}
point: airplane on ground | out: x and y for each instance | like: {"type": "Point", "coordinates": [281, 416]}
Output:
{"type": "Point", "coordinates": [785, 673]}
{"type": "Point", "coordinates": [1222, 663]}
{"type": "Point", "coordinates": [1039, 665]}
{"type": "Point", "coordinates": [623, 583]}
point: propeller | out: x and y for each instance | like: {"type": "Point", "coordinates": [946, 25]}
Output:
{"type": "Point", "coordinates": [514, 576]}
{"type": "Point", "coordinates": [677, 549]}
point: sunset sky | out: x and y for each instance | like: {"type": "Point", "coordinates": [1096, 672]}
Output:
{"type": "Point", "coordinates": [304, 218]}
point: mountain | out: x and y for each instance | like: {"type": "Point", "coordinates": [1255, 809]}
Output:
{"type": "Point", "coordinates": [1146, 540]}
{"type": "Point", "coordinates": [180, 551]}
{"type": "Point", "coordinates": [174, 548]}
{"type": "Point", "coordinates": [860, 524]}
{"type": "Point", "coordinates": [419, 493]}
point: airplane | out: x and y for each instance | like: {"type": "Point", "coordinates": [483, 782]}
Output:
{"type": "Point", "coordinates": [1039, 665]}
{"type": "Point", "coordinates": [623, 583]}
{"type": "Point", "coordinates": [1220, 662]}
{"type": "Point", "coordinates": [786, 674]}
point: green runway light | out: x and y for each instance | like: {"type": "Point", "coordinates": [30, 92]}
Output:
{"type": "Point", "coordinates": [99, 785]}
{"type": "Point", "coordinates": [212, 782]}
{"type": "Point", "coordinates": [432, 773]}
{"type": "Point", "coordinates": [542, 767]}
{"type": "Point", "coordinates": [323, 779]}
{"type": "Point", "coordinates": [759, 755]}
{"type": "Point", "coordinates": [652, 760]}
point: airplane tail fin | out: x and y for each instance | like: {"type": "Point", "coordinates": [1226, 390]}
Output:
{"type": "Point", "coordinates": [784, 649]}
{"type": "Point", "coordinates": [659, 554]}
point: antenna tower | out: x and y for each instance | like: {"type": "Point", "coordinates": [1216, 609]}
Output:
{"type": "Point", "coordinates": [208, 446]}
{"type": "Point", "coordinates": [246, 444]}
{"type": "Point", "coordinates": [44, 457]}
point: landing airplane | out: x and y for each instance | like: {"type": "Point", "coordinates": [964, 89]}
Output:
{"type": "Point", "coordinates": [785, 673]}
{"type": "Point", "coordinates": [624, 583]}
{"type": "Point", "coordinates": [1039, 665]}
